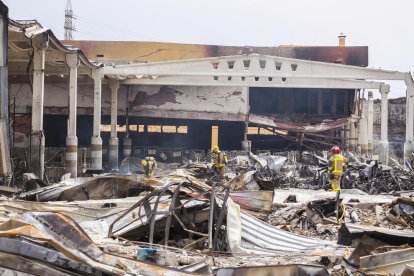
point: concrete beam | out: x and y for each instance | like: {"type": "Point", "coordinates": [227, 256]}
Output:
{"type": "Point", "coordinates": [113, 141]}
{"type": "Point", "coordinates": [246, 81]}
{"type": "Point", "coordinates": [37, 151]}
{"type": "Point", "coordinates": [71, 156]}
{"type": "Point", "coordinates": [96, 141]}
{"type": "Point", "coordinates": [253, 65]}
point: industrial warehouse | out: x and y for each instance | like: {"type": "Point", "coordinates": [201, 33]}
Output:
{"type": "Point", "coordinates": [156, 158]}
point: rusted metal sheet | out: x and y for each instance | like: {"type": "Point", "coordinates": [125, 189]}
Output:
{"type": "Point", "coordinates": [88, 188]}
{"type": "Point", "coordinates": [270, 121]}
{"type": "Point", "coordinates": [156, 51]}
{"type": "Point", "coordinates": [389, 263]}
{"type": "Point", "coordinates": [253, 200]}
{"type": "Point", "coordinates": [349, 232]}
{"type": "Point", "coordinates": [61, 234]}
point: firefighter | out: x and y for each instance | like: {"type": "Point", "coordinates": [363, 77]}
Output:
{"type": "Point", "coordinates": [336, 165]}
{"type": "Point", "coordinates": [220, 160]}
{"type": "Point", "coordinates": [149, 165]}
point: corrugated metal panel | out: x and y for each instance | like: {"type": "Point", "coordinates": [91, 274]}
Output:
{"type": "Point", "coordinates": [264, 236]}
{"type": "Point", "coordinates": [247, 234]}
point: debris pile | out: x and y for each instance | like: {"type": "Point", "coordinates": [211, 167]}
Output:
{"type": "Point", "coordinates": [269, 214]}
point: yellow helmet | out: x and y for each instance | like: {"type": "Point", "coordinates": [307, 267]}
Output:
{"type": "Point", "coordinates": [215, 149]}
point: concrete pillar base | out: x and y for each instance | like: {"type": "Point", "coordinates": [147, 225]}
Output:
{"type": "Point", "coordinates": [127, 147]}
{"type": "Point", "coordinates": [370, 147]}
{"type": "Point", "coordinates": [37, 153]}
{"type": "Point", "coordinates": [71, 156]}
{"type": "Point", "coordinates": [96, 153]}
{"type": "Point", "coordinates": [246, 145]}
{"type": "Point", "coordinates": [113, 153]}
{"type": "Point", "coordinates": [384, 152]}
{"type": "Point", "coordinates": [408, 150]}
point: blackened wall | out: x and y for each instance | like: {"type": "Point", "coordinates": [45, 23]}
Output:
{"type": "Point", "coordinates": [298, 100]}
{"type": "Point", "coordinates": [198, 136]}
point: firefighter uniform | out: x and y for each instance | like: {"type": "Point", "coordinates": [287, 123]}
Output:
{"type": "Point", "coordinates": [149, 165]}
{"type": "Point", "coordinates": [337, 164]}
{"type": "Point", "coordinates": [220, 160]}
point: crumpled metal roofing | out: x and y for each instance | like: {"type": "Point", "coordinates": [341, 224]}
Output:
{"type": "Point", "coordinates": [247, 234]}
{"type": "Point", "coordinates": [262, 235]}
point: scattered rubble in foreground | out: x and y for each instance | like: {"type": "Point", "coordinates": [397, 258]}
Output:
{"type": "Point", "coordinates": [270, 215]}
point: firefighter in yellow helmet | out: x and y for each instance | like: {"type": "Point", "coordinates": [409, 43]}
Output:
{"type": "Point", "coordinates": [336, 165]}
{"type": "Point", "coordinates": [220, 160]}
{"type": "Point", "coordinates": [149, 165]}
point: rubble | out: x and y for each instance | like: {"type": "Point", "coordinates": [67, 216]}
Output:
{"type": "Point", "coordinates": [268, 214]}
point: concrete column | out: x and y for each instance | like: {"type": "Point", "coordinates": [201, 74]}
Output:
{"type": "Point", "coordinates": [113, 141]}
{"type": "Point", "coordinates": [352, 136]}
{"type": "Point", "coordinates": [37, 150]}
{"type": "Point", "coordinates": [333, 107]}
{"type": "Point", "coordinates": [96, 141]}
{"type": "Point", "coordinates": [320, 102]}
{"type": "Point", "coordinates": [71, 156]}
{"type": "Point", "coordinates": [346, 102]}
{"type": "Point", "coordinates": [363, 135]}
{"type": "Point", "coordinates": [384, 145]}
{"type": "Point", "coordinates": [127, 141]}
{"type": "Point", "coordinates": [5, 163]}
{"type": "Point", "coordinates": [246, 145]}
{"type": "Point", "coordinates": [409, 127]}
{"type": "Point", "coordinates": [346, 135]}
{"type": "Point", "coordinates": [370, 122]}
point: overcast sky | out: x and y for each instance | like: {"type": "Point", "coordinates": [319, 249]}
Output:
{"type": "Point", "coordinates": [385, 26]}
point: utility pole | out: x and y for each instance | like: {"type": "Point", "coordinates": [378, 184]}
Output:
{"type": "Point", "coordinates": [69, 17]}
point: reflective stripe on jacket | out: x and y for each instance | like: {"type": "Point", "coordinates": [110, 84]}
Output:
{"type": "Point", "coordinates": [337, 163]}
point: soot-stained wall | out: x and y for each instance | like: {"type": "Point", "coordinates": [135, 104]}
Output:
{"type": "Point", "coordinates": [299, 100]}
{"type": "Point", "coordinates": [198, 136]}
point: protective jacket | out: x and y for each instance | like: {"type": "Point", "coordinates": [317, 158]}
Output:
{"type": "Point", "coordinates": [149, 165]}
{"type": "Point", "coordinates": [220, 159]}
{"type": "Point", "coordinates": [337, 163]}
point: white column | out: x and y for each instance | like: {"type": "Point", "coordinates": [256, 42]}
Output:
{"type": "Point", "coordinates": [352, 135]}
{"type": "Point", "coordinates": [384, 145]}
{"type": "Point", "coordinates": [370, 122]}
{"type": "Point", "coordinates": [246, 145]}
{"type": "Point", "coordinates": [363, 128]}
{"type": "Point", "coordinates": [127, 147]}
{"type": "Point", "coordinates": [37, 151]}
{"type": "Point", "coordinates": [71, 158]}
{"type": "Point", "coordinates": [363, 135]}
{"type": "Point", "coordinates": [96, 147]}
{"type": "Point", "coordinates": [113, 141]}
{"type": "Point", "coordinates": [409, 127]}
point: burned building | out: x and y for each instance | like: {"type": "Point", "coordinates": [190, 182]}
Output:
{"type": "Point", "coordinates": [96, 101]}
